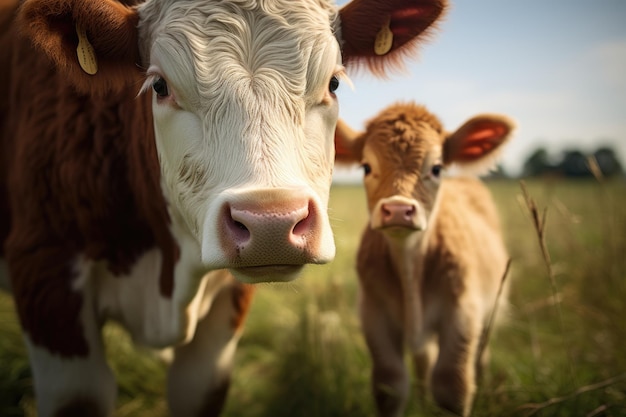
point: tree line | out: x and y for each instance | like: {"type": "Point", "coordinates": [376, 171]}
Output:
{"type": "Point", "coordinates": [573, 163]}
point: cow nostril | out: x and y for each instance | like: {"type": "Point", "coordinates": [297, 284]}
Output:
{"type": "Point", "coordinates": [240, 225]}
{"type": "Point", "coordinates": [239, 230]}
{"type": "Point", "coordinates": [302, 227]}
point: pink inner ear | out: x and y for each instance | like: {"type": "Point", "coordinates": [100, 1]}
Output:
{"type": "Point", "coordinates": [472, 152]}
{"type": "Point", "coordinates": [409, 13]}
{"type": "Point", "coordinates": [403, 21]}
{"type": "Point", "coordinates": [406, 21]}
{"type": "Point", "coordinates": [481, 142]}
{"type": "Point", "coordinates": [488, 133]}
{"type": "Point", "coordinates": [362, 20]}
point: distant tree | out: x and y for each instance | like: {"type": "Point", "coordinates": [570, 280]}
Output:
{"type": "Point", "coordinates": [537, 164]}
{"type": "Point", "coordinates": [574, 164]}
{"type": "Point", "coordinates": [498, 172]}
{"type": "Point", "coordinates": [608, 161]}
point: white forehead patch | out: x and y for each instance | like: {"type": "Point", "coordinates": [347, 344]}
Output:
{"type": "Point", "coordinates": [211, 49]}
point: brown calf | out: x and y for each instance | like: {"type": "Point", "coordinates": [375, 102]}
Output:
{"type": "Point", "coordinates": [432, 257]}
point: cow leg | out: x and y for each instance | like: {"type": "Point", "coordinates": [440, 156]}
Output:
{"type": "Point", "coordinates": [199, 375]}
{"type": "Point", "coordinates": [67, 387]}
{"type": "Point", "coordinates": [454, 377]}
{"type": "Point", "coordinates": [4, 276]}
{"type": "Point", "coordinates": [390, 379]}
{"type": "Point", "coordinates": [81, 385]}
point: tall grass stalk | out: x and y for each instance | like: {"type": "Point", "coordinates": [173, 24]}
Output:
{"type": "Point", "coordinates": [539, 224]}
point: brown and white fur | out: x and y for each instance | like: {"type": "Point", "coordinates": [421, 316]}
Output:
{"type": "Point", "coordinates": [431, 258]}
{"type": "Point", "coordinates": [151, 205]}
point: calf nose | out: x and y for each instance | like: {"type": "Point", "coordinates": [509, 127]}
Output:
{"type": "Point", "coordinates": [396, 214]}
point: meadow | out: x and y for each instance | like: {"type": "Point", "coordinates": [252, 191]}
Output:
{"type": "Point", "coordinates": [560, 350]}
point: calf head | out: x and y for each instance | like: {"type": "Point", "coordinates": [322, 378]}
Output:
{"type": "Point", "coordinates": [244, 107]}
{"type": "Point", "coordinates": [404, 152]}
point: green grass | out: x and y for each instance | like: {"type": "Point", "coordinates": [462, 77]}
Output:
{"type": "Point", "coordinates": [302, 354]}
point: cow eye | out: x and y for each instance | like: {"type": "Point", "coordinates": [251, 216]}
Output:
{"type": "Point", "coordinates": [333, 85]}
{"type": "Point", "coordinates": [436, 170]}
{"type": "Point", "coordinates": [367, 169]}
{"type": "Point", "coordinates": [160, 87]}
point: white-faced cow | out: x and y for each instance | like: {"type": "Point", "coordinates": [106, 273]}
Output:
{"type": "Point", "coordinates": [431, 258]}
{"type": "Point", "coordinates": [143, 146]}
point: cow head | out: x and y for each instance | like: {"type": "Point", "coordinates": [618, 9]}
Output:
{"type": "Point", "coordinates": [404, 152]}
{"type": "Point", "coordinates": [244, 107]}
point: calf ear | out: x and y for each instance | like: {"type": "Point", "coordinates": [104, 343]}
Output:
{"type": "Point", "coordinates": [380, 33]}
{"type": "Point", "coordinates": [348, 144]}
{"type": "Point", "coordinates": [477, 143]}
{"type": "Point", "coordinates": [108, 42]}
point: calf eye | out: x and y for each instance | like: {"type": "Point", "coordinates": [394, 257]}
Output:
{"type": "Point", "coordinates": [160, 87]}
{"type": "Point", "coordinates": [367, 169]}
{"type": "Point", "coordinates": [333, 85]}
{"type": "Point", "coordinates": [436, 170]}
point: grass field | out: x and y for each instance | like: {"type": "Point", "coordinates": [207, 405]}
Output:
{"type": "Point", "coordinates": [561, 350]}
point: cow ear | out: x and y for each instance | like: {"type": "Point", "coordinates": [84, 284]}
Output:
{"type": "Point", "coordinates": [478, 142]}
{"type": "Point", "coordinates": [92, 44]}
{"type": "Point", "coordinates": [348, 144]}
{"type": "Point", "coordinates": [379, 34]}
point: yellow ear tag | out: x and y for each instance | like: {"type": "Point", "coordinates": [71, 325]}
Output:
{"type": "Point", "coordinates": [384, 39]}
{"type": "Point", "coordinates": [85, 52]}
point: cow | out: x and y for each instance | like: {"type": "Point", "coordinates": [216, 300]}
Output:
{"type": "Point", "coordinates": [158, 157]}
{"type": "Point", "coordinates": [431, 258]}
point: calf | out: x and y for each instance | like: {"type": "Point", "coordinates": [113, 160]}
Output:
{"type": "Point", "coordinates": [151, 209]}
{"type": "Point", "coordinates": [431, 258]}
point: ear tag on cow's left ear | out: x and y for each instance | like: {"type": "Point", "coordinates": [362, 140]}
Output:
{"type": "Point", "coordinates": [85, 52]}
{"type": "Point", "coordinates": [384, 39]}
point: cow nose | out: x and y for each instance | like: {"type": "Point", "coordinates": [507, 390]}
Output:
{"type": "Point", "coordinates": [396, 214]}
{"type": "Point", "coordinates": [290, 223]}
{"type": "Point", "coordinates": [272, 230]}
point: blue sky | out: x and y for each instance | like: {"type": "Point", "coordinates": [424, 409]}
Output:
{"type": "Point", "coordinates": [558, 67]}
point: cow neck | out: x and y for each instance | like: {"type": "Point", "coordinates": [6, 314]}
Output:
{"type": "Point", "coordinates": [139, 203]}
{"type": "Point", "coordinates": [145, 179]}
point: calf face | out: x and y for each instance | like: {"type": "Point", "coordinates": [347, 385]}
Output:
{"type": "Point", "coordinates": [404, 152]}
{"type": "Point", "coordinates": [244, 108]}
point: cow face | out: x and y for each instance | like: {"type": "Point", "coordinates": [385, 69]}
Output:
{"type": "Point", "coordinates": [244, 111]}
{"type": "Point", "coordinates": [244, 108]}
{"type": "Point", "coordinates": [404, 152]}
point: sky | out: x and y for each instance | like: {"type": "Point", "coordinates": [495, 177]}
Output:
{"type": "Point", "coordinates": [557, 67]}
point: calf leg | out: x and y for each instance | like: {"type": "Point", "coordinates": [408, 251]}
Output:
{"type": "Point", "coordinates": [454, 378]}
{"type": "Point", "coordinates": [423, 362]}
{"type": "Point", "coordinates": [390, 379]}
{"type": "Point", "coordinates": [199, 376]}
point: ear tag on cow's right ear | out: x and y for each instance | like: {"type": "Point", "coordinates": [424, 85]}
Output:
{"type": "Point", "coordinates": [85, 52]}
{"type": "Point", "coordinates": [384, 39]}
